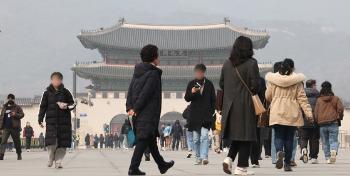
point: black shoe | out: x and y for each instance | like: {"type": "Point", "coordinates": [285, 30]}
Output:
{"type": "Point", "coordinates": [19, 157]}
{"type": "Point", "coordinates": [1, 156]}
{"type": "Point", "coordinates": [189, 155]}
{"type": "Point", "coordinates": [279, 162]}
{"type": "Point", "coordinates": [136, 172]}
{"type": "Point", "coordinates": [166, 167]}
{"type": "Point", "coordinates": [288, 168]}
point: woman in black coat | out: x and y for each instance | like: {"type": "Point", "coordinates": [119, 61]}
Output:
{"type": "Point", "coordinates": [238, 114]}
{"type": "Point", "coordinates": [56, 105]}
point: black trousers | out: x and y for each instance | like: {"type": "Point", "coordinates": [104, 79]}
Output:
{"type": "Point", "coordinates": [267, 143]}
{"type": "Point", "coordinates": [311, 136]}
{"type": "Point", "coordinates": [176, 141]}
{"type": "Point", "coordinates": [256, 147]}
{"type": "Point", "coordinates": [28, 142]}
{"type": "Point", "coordinates": [243, 150]}
{"type": "Point", "coordinates": [15, 133]}
{"type": "Point", "coordinates": [141, 146]}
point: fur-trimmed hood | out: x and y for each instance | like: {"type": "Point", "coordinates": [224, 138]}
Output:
{"type": "Point", "coordinates": [284, 80]}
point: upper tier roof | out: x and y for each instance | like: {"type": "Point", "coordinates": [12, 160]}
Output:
{"type": "Point", "coordinates": [135, 36]}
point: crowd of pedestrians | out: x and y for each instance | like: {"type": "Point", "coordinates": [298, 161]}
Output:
{"type": "Point", "coordinates": [248, 113]}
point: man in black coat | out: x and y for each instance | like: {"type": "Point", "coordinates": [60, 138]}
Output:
{"type": "Point", "coordinates": [144, 102]}
{"type": "Point", "coordinates": [56, 105]}
{"type": "Point", "coordinates": [28, 133]}
{"type": "Point", "coordinates": [10, 123]}
{"type": "Point", "coordinates": [176, 132]}
{"type": "Point", "coordinates": [201, 93]}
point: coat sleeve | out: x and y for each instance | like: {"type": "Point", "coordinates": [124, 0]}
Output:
{"type": "Point", "coordinates": [268, 93]}
{"type": "Point", "coordinates": [129, 104]}
{"type": "Point", "coordinates": [340, 109]}
{"type": "Point", "coordinates": [19, 113]}
{"type": "Point", "coordinates": [43, 107]}
{"type": "Point", "coordinates": [303, 101]}
{"type": "Point", "coordinates": [70, 101]}
{"type": "Point", "coordinates": [189, 96]}
{"type": "Point", "coordinates": [254, 78]}
{"type": "Point", "coordinates": [213, 98]}
{"type": "Point", "coordinates": [146, 92]}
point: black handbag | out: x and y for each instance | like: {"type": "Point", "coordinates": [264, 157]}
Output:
{"type": "Point", "coordinates": [186, 113]}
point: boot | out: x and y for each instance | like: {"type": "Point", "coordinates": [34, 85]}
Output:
{"type": "Point", "coordinates": [227, 165]}
{"type": "Point", "coordinates": [1, 156]}
{"type": "Point", "coordinates": [288, 168]}
{"type": "Point", "coordinates": [19, 156]}
{"type": "Point", "coordinates": [166, 167]}
{"type": "Point", "coordinates": [136, 172]}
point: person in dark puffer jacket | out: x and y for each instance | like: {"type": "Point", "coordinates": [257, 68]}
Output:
{"type": "Point", "coordinates": [56, 105]}
{"type": "Point", "coordinates": [310, 132]}
{"type": "Point", "coordinates": [143, 103]}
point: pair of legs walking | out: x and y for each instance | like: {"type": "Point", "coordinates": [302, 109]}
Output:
{"type": "Point", "coordinates": [284, 142]}
{"type": "Point", "coordinates": [329, 137]}
{"type": "Point", "coordinates": [309, 136]}
{"type": "Point", "coordinates": [243, 149]}
{"type": "Point", "coordinates": [201, 145]}
{"type": "Point", "coordinates": [56, 155]}
{"type": "Point", "coordinates": [141, 146]}
{"type": "Point", "coordinates": [15, 134]}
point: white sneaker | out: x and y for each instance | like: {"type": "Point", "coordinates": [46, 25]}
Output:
{"type": "Point", "coordinates": [255, 166]}
{"type": "Point", "coordinates": [49, 163]}
{"type": "Point", "coordinates": [305, 157]}
{"type": "Point", "coordinates": [58, 165]}
{"type": "Point", "coordinates": [314, 161]}
{"type": "Point", "coordinates": [225, 150]}
{"type": "Point", "coordinates": [227, 165]}
{"type": "Point", "coordinates": [198, 162]}
{"type": "Point", "coordinates": [328, 161]}
{"type": "Point", "coordinates": [333, 156]}
{"type": "Point", "coordinates": [242, 171]}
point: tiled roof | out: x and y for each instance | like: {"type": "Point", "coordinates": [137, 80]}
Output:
{"type": "Point", "coordinates": [135, 36]}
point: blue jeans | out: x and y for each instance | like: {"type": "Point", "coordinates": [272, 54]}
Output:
{"type": "Point", "coordinates": [201, 143]}
{"type": "Point", "coordinates": [329, 137]}
{"type": "Point", "coordinates": [189, 138]}
{"type": "Point", "coordinates": [284, 141]}
{"type": "Point", "coordinates": [273, 147]}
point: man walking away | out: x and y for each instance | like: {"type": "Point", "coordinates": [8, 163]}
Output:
{"type": "Point", "coordinates": [176, 132]}
{"type": "Point", "coordinates": [310, 132]}
{"type": "Point", "coordinates": [28, 133]}
{"type": "Point", "coordinates": [143, 103]}
{"type": "Point", "coordinates": [10, 123]}
{"type": "Point", "coordinates": [87, 141]}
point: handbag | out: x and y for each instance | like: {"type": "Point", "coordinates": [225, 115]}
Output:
{"type": "Point", "coordinates": [186, 112]}
{"type": "Point", "coordinates": [258, 106]}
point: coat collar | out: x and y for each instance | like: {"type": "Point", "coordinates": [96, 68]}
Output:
{"type": "Point", "coordinates": [284, 80]}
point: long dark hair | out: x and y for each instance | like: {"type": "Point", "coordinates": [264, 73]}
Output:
{"type": "Point", "coordinates": [326, 89]}
{"type": "Point", "coordinates": [242, 50]}
{"type": "Point", "coordinates": [286, 67]}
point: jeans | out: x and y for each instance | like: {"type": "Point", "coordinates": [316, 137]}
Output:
{"type": "Point", "coordinates": [189, 138]}
{"type": "Point", "coordinates": [125, 141]}
{"type": "Point", "coordinates": [176, 141]}
{"type": "Point", "coordinates": [329, 137]}
{"type": "Point", "coordinates": [311, 136]}
{"type": "Point", "coordinates": [15, 134]}
{"type": "Point", "coordinates": [273, 147]}
{"type": "Point", "coordinates": [284, 141]}
{"type": "Point", "coordinates": [201, 143]}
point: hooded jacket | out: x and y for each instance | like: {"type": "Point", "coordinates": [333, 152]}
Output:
{"type": "Point", "coordinates": [145, 98]}
{"type": "Point", "coordinates": [288, 98]}
{"type": "Point", "coordinates": [312, 95]}
{"type": "Point", "coordinates": [328, 109]}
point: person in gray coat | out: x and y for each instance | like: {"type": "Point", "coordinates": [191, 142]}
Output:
{"type": "Point", "coordinates": [239, 119]}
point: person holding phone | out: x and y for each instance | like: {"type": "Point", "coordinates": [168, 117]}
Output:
{"type": "Point", "coordinates": [143, 103]}
{"type": "Point", "coordinates": [55, 107]}
{"type": "Point", "coordinates": [200, 93]}
{"type": "Point", "coordinates": [10, 123]}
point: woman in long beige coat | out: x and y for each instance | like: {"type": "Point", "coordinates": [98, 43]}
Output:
{"type": "Point", "coordinates": [286, 93]}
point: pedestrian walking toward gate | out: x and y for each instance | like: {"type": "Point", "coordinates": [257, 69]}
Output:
{"type": "Point", "coordinates": [10, 122]}
{"type": "Point", "coordinates": [28, 133]}
{"type": "Point", "coordinates": [201, 93]}
{"type": "Point", "coordinates": [310, 133]}
{"type": "Point", "coordinates": [87, 141]}
{"type": "Point", "coordinates": [56, 105]}
{"type": "Point", "coordinates": [239, 80]}
{"type": "Point", "coordinates": [143, 103]}
{"type": "Point", "coordinates": [177, 133]}
{"type": "Point", "coordinates": [329, 113]}
{"type": "Point", "coordinates": [286, 93]}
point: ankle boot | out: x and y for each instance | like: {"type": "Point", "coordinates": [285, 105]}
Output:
{"type": "Point", "coordinates": [166, 167]}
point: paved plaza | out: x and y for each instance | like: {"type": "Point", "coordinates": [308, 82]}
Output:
{"type": "Point", "coordinates": [108, 162]}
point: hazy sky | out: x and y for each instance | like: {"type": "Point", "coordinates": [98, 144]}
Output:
{"type": "Point", "coordinates": [39, 36]}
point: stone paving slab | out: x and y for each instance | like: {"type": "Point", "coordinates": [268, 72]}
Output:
{"type": "Point", "coordinates": [109, 163]}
